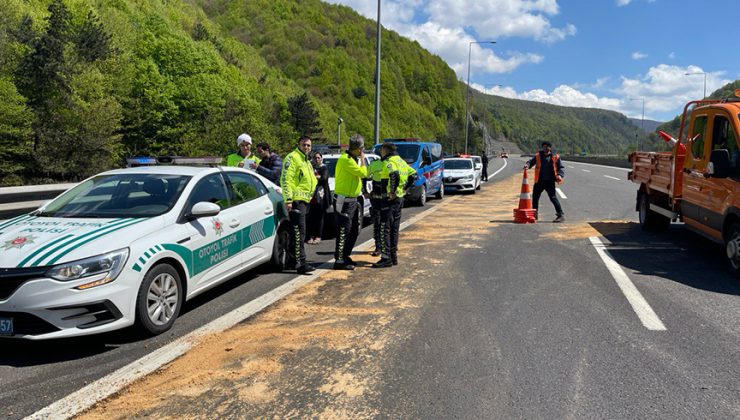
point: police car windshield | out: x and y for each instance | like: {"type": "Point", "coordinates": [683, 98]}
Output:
{"type": "Point", "coordinates": [121, 195]}
{"type": "Point", "coordinates": [331, 165]}
{"type": "Point", "coordinates": [407, 152]}
{"type": "Point", "coordinates": [458, 164]}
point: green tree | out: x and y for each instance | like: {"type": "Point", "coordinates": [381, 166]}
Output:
{"type": "Point", "coordinates": [15, 133]}
{"type": "Point", "coordinates": [303, 116]}
{"type": "Point", "coordinates": [93, 42]}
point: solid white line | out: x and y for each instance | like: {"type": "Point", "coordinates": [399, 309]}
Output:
{"type": "Point", "coordinates": [103, 388]}
{"type": "Point", "coordinates": [611, 177]}
{"type": "Point", "coordinates": [502, 168]}
{"type": "Point", "coordinates": [600, 166]}
{"type": "Point", "coordinates": [561, 193]}
{"type": "Point", "coordinates": [643, 310]}
{"type": "Point", "coordinates": [585, 170]}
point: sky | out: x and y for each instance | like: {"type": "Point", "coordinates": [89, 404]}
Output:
{"type": "Point", "coordinates": [610, 54]}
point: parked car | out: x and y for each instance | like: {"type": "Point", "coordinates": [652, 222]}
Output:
{"type": "Point", "coordinates": [478, 164]}
{"type": "Point", "coordinates": [426, 159]}
{"type": "Point", "coordinates": [460, 175]}
{"type": "Point", "coordinates": [131, 246]}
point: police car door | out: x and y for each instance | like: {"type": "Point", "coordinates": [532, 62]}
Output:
{"type": "Point", "coordinates": [256, 212]}
{"type": "Point", "coordinates": [213, 241]}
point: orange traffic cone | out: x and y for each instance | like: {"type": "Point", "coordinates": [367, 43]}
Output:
{"type": "Point", "coordinates": [525, 213]}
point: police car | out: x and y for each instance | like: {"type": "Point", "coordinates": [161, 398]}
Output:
{"type": "Point", "coordinates": [460, 175]}
{"type": "Point", "coordinates": [130, 246]}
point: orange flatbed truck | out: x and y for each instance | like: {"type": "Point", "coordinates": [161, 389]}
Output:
{"type": "Point", "coordinates": [698, 182]}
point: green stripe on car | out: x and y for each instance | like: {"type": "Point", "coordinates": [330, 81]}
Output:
{"type": "Point", "coordinates": [55, 259]}
{"type": "Point", "coordinates": [43, 248]}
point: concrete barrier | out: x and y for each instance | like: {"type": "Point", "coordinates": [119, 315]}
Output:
{"type": "Point", "coordinates": [18, 200]}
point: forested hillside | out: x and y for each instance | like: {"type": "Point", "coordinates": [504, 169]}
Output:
{"type": "Point", "coordinates": [86, 82]}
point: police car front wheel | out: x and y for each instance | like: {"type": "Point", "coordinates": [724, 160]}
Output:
{"type": "Point", "coordinates": [159, 300]}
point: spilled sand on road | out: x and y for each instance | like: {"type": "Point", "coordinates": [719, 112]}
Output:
{"type": "Point", "coordinates": [320, 351]}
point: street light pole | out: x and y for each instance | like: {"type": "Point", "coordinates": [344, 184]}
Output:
{"type": "Point", "coordinates": [339, 131]}
{"type": "Point", "coordinates": [642, 122]}
{"type": "Point", "coordinates": [377, 81]}
{"type": "Point", "coordinates": [467, 90]}
{"type": "Point", "coordinates": [705, 80]}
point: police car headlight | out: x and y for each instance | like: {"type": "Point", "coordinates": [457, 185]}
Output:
{"type": "Point", "coordinates": [109, 265]}
{"type": "Point", "coordinates": [469, 178]}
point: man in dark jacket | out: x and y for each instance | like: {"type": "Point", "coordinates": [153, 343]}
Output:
{"type": "Point", "coordinates": [548, 171]}
{"type": "Point", "coordinates": [270, 163]}
{"type": "Point", "coordinates": [484, 160]}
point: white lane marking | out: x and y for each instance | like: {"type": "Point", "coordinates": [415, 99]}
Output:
{"type": "Point", "coordinates": [601, 166]}
{"type": "Point", "coordinates": [561, 193]}
{"type": "Point", "coordinates": [585, 170]}
{"type": "Point", "coordinates": [103, 388]}
{"type": "Point", "coordinates": [612, 177]}
{"type": "Point", "coordinates": [641, 307]}
{"type": "Point", "coordinates": [502, 168]}
{"type": "Point", "coordinates": [571, 167]}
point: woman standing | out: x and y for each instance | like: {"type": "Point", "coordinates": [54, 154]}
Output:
{"type": "Point", "coordinates": [320, 202]}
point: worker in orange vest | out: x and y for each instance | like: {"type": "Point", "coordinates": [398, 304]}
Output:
{"type": "Point", "coordinates": [548, 171]}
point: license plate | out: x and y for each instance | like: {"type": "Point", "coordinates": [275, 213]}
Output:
{"type": "Point", "coordinates": [6, 326]}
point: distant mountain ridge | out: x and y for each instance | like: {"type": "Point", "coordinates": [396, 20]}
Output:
{"type": "Point", "coordinates": [649, 125]}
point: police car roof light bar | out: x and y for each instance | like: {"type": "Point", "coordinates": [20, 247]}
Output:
{"type": "Point", "coordinates": [173, 160]}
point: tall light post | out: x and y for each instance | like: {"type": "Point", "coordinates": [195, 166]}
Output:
{"type": "Point", "coordinates": [339, 131]}
{"type": "Point", "coordinates": [705, 80]}
{"type": "Point", "coordinates": [377, 81]}
{"type": "Point", "coordinates": [642, 123]}
{"type": "Point", "coordinates": [467, 90]}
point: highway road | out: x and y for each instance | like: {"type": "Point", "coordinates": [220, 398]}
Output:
{"type": "Point", "coordinates": [483, 318]}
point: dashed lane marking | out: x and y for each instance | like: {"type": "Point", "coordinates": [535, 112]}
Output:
{"type": "Point", "coordinates": [642, 308]}
{"type": "Point", "coordinates": [612, 177]}
{"type": "Point", "coordinates": [571, 167]}
{"type": "Point", "coordinates": [585, 170]}
{"type": "Point", "coordinates": [561, 193]}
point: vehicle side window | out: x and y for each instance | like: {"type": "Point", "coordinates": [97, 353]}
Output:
{"type": "Point", "coordinates": [425, 156]}
{"type": "Point", "coordinates": [244, 187]}
{"type": "Point", "coordinates": [698, 130]}
{"type": "Point", "coordinates": [436, 152]}
{"type": "Point", "coordinates": [211, 189]}
{"type": "Point", "coordinates": [723, 137]}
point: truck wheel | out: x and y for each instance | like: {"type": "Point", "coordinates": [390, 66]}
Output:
{"type": "Point", "coordinates": [732, 248]}
{"type": "Point", "coordinates": [650, 220]}
{"type": "Point", "coordinates": [159, 300]}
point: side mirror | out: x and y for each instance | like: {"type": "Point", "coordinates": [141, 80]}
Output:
{"type": "Point", "coordinates": [205, 209]}
{"type": "Point", "coordinates": [719, 164]}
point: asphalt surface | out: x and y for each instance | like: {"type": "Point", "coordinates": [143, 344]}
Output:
{"type": "Point", "coordinates": [526, 322]}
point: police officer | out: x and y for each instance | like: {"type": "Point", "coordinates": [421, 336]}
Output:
{"type": "Point", "coordinates": [374, 173]}
{"type": "Point", "coordinates": [394, 177]}
{"type": "Point", "coordinates": [348, 177]}
{"type": "Point", "coordinates": [548, 171]}
{"type": "Point", "coordinates": [244, 143]}
{"type": "Point", "coordinates": [298, 183]}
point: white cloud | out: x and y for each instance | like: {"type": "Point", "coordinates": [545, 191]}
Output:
{"type": "Point", "coordinates": [621, 3]}
{"type": "Point", "coordinates": [638, 55]}
{"type": "Point", "coordinates": [444, 27]}
{"type": "Point", "coordinates": [665, 89]}
{"type": "Point", "coordinates": [672, 56]}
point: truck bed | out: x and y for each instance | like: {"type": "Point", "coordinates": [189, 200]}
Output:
{"type": "Point", "coordinates": [654, 170]}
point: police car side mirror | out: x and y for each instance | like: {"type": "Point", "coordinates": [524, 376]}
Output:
{"type": "Point", "coordinates": [205, 209]}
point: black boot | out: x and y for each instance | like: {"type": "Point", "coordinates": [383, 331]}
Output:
{"type": "Point", "coordinates": [305, 269]}
{"type": "Point", "coordinates": [383, 263]}
{"type": "Point", "coordinates": [394, 259]}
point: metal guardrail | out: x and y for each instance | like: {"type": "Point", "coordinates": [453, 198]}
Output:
{"type": "Point", "coordinates": [18, 200]}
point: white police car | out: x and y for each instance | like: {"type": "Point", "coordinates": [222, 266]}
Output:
{"type": "Point", "coordinates": [130, 246]}
{"type": "Point", "coordinates": [460, 175]}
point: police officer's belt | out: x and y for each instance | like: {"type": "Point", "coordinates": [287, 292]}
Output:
{"type": "Point", "coordinates": [339, 197]}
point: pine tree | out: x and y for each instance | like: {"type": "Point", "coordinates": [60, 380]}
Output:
{"type": "Point", "coordinates": [93, 42]}
{"type": "Point", "coordinates": [303, 116]}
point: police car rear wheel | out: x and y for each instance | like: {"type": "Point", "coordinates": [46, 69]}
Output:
{"type": "Point", "coordinates": [422, 196]}
{"type": "Point", "coordinates": [159, 300]}
{"type": "Point", "coordinates": [280, 250]}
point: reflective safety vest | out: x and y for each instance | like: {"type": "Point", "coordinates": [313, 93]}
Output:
{"type": "Point", "coordinates": [538, 165]}
{"type": "Point", "coordinates": [348, 176]}
{"type": "Point", "coordinates": [235, 158]}
{"type": "Point", "coordinates": [374, 173]}
{"type": "Point", "coordinates": [297, 179]}
{"type": "Point", "coordinates": [394, 166]}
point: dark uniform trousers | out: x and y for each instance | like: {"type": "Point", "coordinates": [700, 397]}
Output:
{"type": "Point", "coordinates": [375, 204]}
{"type": "Point", "coordinates": [390, 224]}
{"type": "Point", "coordinates": [348, 225]}
{"type": "Point", "coordinates": [297, 217]}
{"type": "Point", "coordinates": [548, 186]}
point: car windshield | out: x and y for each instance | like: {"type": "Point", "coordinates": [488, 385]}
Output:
{"type": "Point", "coordinates": [408, 152]}
{"type": "Point", "coordinates": [331, 165]}
{"type": "Point", "coordinates": [458, 164]}
{"type": "Point", "coordinates": [119, 195]}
